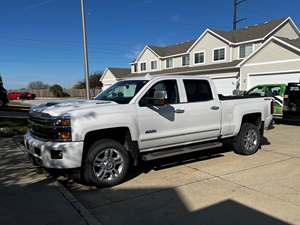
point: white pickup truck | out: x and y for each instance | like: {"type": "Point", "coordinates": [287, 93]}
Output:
{"type": "Point", "coordinates": [143, 119]}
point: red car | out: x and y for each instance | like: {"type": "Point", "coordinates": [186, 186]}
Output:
{"type": "Point", "coordinates": [14, 95]}
{"type": "Point", "coordinates": [21, 95]}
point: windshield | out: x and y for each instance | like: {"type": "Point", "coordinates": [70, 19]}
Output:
{"type": "Point", "coordinates": [122, 92]}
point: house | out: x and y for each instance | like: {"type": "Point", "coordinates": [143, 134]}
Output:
{"type": "Point", "coordinates": [237, 59]}
{"type": "Point", "coordinates": [111, 75]}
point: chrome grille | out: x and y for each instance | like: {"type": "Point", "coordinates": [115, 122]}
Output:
{"type": "Point", "coordinates": [41, 125]}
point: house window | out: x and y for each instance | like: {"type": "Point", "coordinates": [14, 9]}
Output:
{"type": "Point", "coordinates": [199, 57]}
{"type": "Point", "coordinates": [169, 63]}
{"type": "Point", "coordinates": [185, 60]}
{"type": "Point", "coordinates": [143, 66]}
{"type": "Point", "coordinates": [154, 65]}
{"type": "Point", "coordinates": [219, 54]}
{"type": "Point", "coordinates": [135, 67]}
{"type": "Point", "coordinates": [245, 50]}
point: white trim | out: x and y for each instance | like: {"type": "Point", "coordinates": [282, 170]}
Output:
{"type": "Point", "coordinates": [218, 48]}
{"type": "Point", "coordinates": [140, 63]}
{"type": "Point", "coordinates": [172, 63]}
{"type": "Point", "coordinates": [272, 62]}
{"type": "Point", "coordinates": [250, 41]}
{"type": "Point", "coordinates": [214, 76]}
{"type": "Point", "coordinates": [278, 72]}
{"type": "Point", "coordinates": [201, 51]}
{"type": "Point", "coordinates": [263, 45]}
{"type": "Point", "coordinates": [104, 74]}
{"type": "Point", "coordinates": [145, 48]}
{"type": "Point", "coordinates": [203, 34]}
{"type": "Point", "coordinates": [176, 55]}
{"type": "Point", "coordinates": [156, 60]}
{"type": "Point", "coordinates": [182, 60]}
{"type": "Point", "coordinates": [244, 45]}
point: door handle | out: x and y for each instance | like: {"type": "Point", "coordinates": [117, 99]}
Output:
{"type": "Point", "coordinates": [179, 111]}
{"type": "Point", "coordinates": [215, 107]}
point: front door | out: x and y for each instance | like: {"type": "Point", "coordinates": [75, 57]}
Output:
{"type": "Point", "coordinates": [161, 124]}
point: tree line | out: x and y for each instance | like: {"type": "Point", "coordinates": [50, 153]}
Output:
{"type": "Point", "coordinates": [58, 91]}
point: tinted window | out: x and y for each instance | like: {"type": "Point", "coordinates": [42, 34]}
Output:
{"type": "Point", "coordinates": [197, 90]}
{"type": "Point", "coordinates": [258, 91]}
{"type": "Point", "coordinates": [167, 86]}
{"type": "Point", "coordinates": [122, 92]}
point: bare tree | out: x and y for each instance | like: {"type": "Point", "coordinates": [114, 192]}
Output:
{"type": "Point", "coordinates": [37, 85]}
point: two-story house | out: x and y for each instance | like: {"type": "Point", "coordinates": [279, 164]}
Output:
{"type": "Point", "coordinates": [258, 54]}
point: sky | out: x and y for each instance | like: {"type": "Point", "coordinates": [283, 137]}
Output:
{"type": "Point", "coordinates": [42, 39]}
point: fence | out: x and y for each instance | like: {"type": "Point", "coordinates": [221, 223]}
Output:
{"type": "Point", "coordinates": [78, 93]}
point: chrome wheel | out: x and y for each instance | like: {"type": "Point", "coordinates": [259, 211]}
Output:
{"type": "Point", "coordinates": [108, 164]}
{"type": "Point", "coordinates": [250, 140]}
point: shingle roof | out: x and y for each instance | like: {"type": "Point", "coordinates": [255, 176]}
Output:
{"type": "Point", "coordinates": [250, 33]}
{"type": "Point", "coordinates": [119, 72]}
{"type": "Point", "coordinates": [294, 42]}
{"type": "Point", "coordinates": [172, 49]}
{"type": "Point", "coordinates": [194, 69]}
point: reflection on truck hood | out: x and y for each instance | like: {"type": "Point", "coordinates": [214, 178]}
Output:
{"type": "Point", "coordinates": [64, 107]}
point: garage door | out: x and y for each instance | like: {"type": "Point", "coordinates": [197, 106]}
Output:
{"type": "Point", "coordinates": [225, 86]}
{"type": "Point", "coordinates": [282, 78]}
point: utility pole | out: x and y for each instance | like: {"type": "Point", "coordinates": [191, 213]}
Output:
{"type": "Point", "coordinates": [235, 20]}
{"type": "Point", "coordinates": [86, 58]}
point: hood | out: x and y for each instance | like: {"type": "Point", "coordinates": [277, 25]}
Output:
{"type": "Point", "coordinates": [65, 107]}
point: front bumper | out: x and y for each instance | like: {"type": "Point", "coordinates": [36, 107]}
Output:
{"type": "Point", "coordinates": [58, 155]}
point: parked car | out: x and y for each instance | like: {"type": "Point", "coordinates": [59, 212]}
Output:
{"type": "Point", "coordinates": [28, 96]}
{"type": "Point", "coordinates": [291, 108]}
{"type": "Point", "coordinates": [16, 95]}
{"type": "Point", "coordinates": [3, 94]}
{"type": "Point", "coordinates": [143, 119]}
{"type": "Point", "coordinates": [270, 90]}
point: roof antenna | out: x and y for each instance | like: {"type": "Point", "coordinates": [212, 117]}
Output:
{"type": "Point", "coordinates": [235, 20]}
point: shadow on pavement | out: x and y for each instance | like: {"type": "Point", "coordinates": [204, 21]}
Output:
{"type": "Point", "coordinates": [166, 206]}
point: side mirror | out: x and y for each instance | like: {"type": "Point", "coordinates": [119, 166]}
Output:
{"type": "Point", "coordinates": [158, 99]}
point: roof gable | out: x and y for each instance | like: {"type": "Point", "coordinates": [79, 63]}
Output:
{"type": "Point", "coordinates": [119, 72]}
{"type": "Point", "coordinates": [172, 49]}
{"type": "Point", "coordinates": [255, 32]}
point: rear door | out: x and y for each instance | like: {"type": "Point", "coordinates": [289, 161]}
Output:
{"type": "Point", "coordinates": [202, 110]}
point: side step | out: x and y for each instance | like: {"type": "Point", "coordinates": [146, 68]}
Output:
{"type": "Point", "coordinates": [180, 150]}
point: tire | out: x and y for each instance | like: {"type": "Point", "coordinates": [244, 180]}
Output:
{"type": "Point", "coordinates": [106, 163]}
{"type": "Point", "coordinates": [248, 140]}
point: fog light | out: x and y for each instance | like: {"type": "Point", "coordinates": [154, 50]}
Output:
{"type": "Point", "coordinates": [64, 135]}
{"type": "Point", "coordinates": [56, 154]}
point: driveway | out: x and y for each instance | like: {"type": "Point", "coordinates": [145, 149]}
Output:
{"type": "Point", "coordinates": [212, 187]}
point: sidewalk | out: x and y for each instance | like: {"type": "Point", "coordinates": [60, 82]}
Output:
{"type": "Point", "coordinates": [27, 195]}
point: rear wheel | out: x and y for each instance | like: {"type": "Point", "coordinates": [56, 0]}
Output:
{"type": "Point", "coordinates": [248, 140]}
{"type": "Point", "coordinates": [106, 163]}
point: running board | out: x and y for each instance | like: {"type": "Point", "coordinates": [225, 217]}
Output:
{"type": "Point", "coordinates": [180, 150]}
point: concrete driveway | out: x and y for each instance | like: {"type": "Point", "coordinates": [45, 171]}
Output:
{"type": "Point", "coordinates": [214, 187]}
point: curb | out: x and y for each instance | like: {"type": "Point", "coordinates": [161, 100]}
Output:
{"type": "Point", "coordinates": [81, 210]}
{"type": "Point", "coordinates": [84, 213]}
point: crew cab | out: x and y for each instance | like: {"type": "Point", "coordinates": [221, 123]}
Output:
{"type": "Point", "coordinates": [143, 119]}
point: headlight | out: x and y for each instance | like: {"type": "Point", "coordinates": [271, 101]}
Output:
{"type": "Point", "coordinates": [63, 122]}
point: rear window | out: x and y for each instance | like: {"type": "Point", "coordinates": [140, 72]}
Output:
{"type": "Point", "coordinates": [197, 90]}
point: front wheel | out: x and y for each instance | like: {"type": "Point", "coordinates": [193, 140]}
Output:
{"type": "Point", "coordinates": [106, 163]}
{"type": "Point", "coordinates": [248, 140]}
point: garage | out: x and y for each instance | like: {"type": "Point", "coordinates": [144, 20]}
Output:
{"type": "Point", "coordinates": [273, 78]}
{"type": "Point", "coordinates": [225, 83]}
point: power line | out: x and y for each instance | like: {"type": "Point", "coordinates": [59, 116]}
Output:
{"type": "Point", "coordinates": [235, 20]}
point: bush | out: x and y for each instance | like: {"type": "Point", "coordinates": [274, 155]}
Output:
{"type": "Point", "coordinates": [57, 90]}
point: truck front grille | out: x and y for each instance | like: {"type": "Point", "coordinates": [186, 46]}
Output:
{"type": "Point", "coordinates": [41, 126]}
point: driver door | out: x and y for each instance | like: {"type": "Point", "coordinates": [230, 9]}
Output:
{"type": "Point", "coordinates": [160, 123]}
